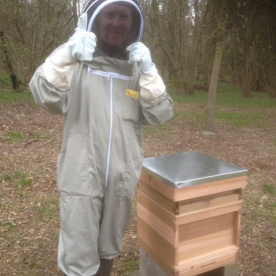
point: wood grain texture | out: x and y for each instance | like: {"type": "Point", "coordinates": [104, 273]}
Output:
{"type": "Point", "coordinates": [191, 230]}
{"type": "Point", "coordinates": [207, 226]}
{"type": "Point", "coordinates": [156, 209]}
{"type": "Point", "coordinates": [198, 247]}
{"type": "Point", "coordinates": [158, 225]}
{"type": "Point", "coordinates": [157, 259]}
{"type": "Point", "coordinates": [158, 245]}
{"type": "Point", "coordinates": [207, 262]}
{"type": "Point", "coordinates": [208, 213]}
{"type": "Point", "coordinates": [166, 203]}
{"type": "Point", "coordinates": [195, 191]}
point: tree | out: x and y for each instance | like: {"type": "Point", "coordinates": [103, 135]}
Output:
{"type": "Point", "coordinates": [34, 29]}
{"type": "Point", "coordinates": [174, 31]}
{"type": "Point", "coordinates": [250, 50]}
{"type": "Point", "coordinates": [219, 6]}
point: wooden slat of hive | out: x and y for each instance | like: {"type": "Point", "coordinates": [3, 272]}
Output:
{"type": "Point", "coordinates": [195, 191]}
{"type": "Point", "coordinates": [207, 244]}
{"type": "Point", "coordinates": [208, 213]}
{"type": "Point", "coordinates": [156, 209]}
{"type": "Point", "coordinates": [156, 246]}
{"type": "Point", "coordinates": [190, 205]}
{"type": "Point", "coordinates": [157, 225]}
{"type": "Point", "coordinates": [167, 203]}
{"type": "Point", "coordinates": [208, 262]}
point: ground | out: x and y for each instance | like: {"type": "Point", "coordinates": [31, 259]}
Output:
{"type": "Point", "coordinates": [30, 140]}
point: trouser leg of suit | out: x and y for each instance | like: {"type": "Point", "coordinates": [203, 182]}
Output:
{"type": "Point", "coordinates": [78, 250]}
{"type": "Point", "coordinates": [92, 227]}
{"type": "Point", "coordinates": [117, 208]}
{"type": "Point", "coordinates": [94, 217]}
{"type": "Point", "coordinates": [78, 228]}
{"type": "Point", "coordinates": [117, 212]}
{"type": "Point", "coordinates": [81, 201]}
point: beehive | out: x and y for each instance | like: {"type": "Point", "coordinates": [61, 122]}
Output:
{"type": "Point", "coordinates": [189, 212]}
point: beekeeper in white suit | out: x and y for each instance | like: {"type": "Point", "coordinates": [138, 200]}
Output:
{"type": "Point", "coordinates": [104, 82]}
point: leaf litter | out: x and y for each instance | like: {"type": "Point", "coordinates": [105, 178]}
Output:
{"type": "Point", "coordinates": [29, 221]}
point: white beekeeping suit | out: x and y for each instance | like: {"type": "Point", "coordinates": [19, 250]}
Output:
{"type": "Point", "coordinates": [105, 101]}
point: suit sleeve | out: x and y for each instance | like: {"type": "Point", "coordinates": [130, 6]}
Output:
{"type": "Point", "coordinates": [50, 83]}
{"type": "Point", "coordinates": [157, 105]}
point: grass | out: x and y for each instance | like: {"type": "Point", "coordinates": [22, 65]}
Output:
{"type": "Point", "coordinates": [269, 189]}
{"type": "Point", "coordinates": [8, 97]}
{"type": "Point", "coordinates": [262, 203]}
{"type": "Point", "coordinates": [39, 135]}
{"type": "Point", "coordinates": [19, 179]}
{"type": "Point", "coordinates": [227, 95]}
{"type": "Point", "coordinates": [24, 180]}
{"type": "Point", "coordinates": [128, 265]}
{"type": "Point", "coordinates": [49, 208]}
{"type": "Point", "coordinates": [268, 211]}
{"type": "Point", "coordinates": [11, 137]}
{"type": "Point", "coordinates": [194, 116]}
{"type": "Point", "coordinates": [5, 80]}
{"type": "Point", "coordinates": [242, 119]}
{"type": "Point", "coordinates": [238, 119]}
{"type": "Point", "coordinates": [161, 129]}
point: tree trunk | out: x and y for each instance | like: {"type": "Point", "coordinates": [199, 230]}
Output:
{"type": "Point", "coordinates": [75, 11]}
{"type": "Point", "coordinates": [212, 93]}
{"type": "Point", "coordinates": [210, 110]}
{"type": "Point", "coordinates": [9, 63]}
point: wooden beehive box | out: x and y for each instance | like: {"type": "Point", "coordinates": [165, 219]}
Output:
{"type": "Point", "coordinates": [189, 212]}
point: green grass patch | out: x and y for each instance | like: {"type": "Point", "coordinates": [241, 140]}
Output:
{"type": "Point", "coordinates": [195, 116]}
{"type": "Point", "coordinates": [7, 178]}
{"type": "Point", "coordinates": [268, 210]}
{"type": "Point", "coordinates": [10, 226]}
{"type": "Point", "coordinates": [199, 97]}
{"type": "Point", "coordinates": [39, 135]}
{"type": "Point", "coordinates": [227, 95]}
{"type": "Point", "coordinates": [19, 179]}
{"type": "Point", "coordinates": [14, 97]}
{"type": "Point", "coordinates": [56, 237]}
{"type": "Point", "coordinates": [160, 129]}
{"type": "Point", "coordinates": [242, 119]}
{"type": "Point", "coordinates": [238, 119]}
{"type": "Point", "coordinates": [49, 208]}
{"type": "Point", "coordinates": [269, 189]}
{"type": "Point", "coordinates": [11, 137]}
{"type": "Point", "coordinates": [127, 266]}
{"type": "Point", "coordinates": [24, 180]}
{"type": "Point", "coordinates": [5, 78]}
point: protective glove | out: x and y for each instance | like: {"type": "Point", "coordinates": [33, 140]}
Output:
{"type": "Point", "coordinates": [139, 53]}
{"type": "Point", "coordinates": [81, 45]}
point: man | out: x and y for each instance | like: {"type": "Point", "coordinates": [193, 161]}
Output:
{"type": "Point", "coordinates": [104, 82]}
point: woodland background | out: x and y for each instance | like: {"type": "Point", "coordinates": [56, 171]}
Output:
{"type": "Point", "coordinates": [184, 35]}
{"type": "Point", "coordinates": [195, 43]}
{"type": "Point", "coordinates": [227, 48]}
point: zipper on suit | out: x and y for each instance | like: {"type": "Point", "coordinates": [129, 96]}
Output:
{"type": "Point", "coordinates": [110, 76]}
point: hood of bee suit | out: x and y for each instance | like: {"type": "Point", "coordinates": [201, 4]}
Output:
{"type": "Point", "coordinates": [94, 7]}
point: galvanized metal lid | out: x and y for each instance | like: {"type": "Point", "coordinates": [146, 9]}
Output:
{"type": "Point", "coordinates": [190, 168]}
